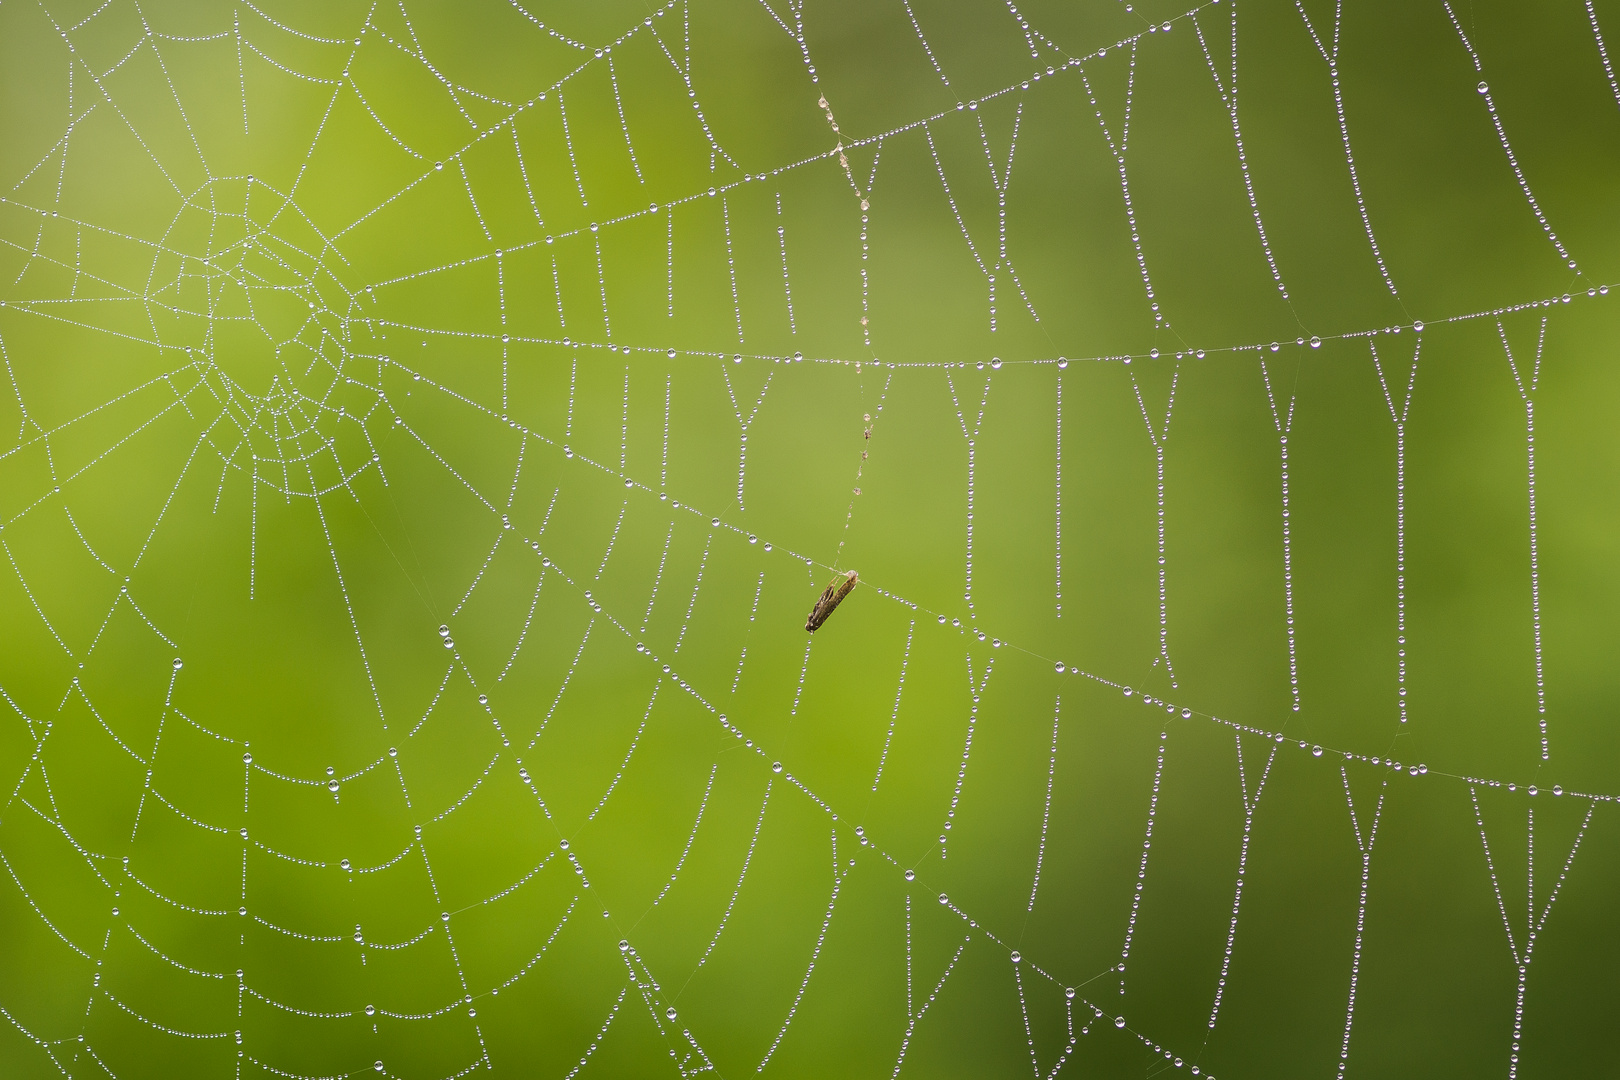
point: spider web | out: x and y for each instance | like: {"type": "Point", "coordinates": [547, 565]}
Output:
{"type": "Point", "coordinates": [433, 423]}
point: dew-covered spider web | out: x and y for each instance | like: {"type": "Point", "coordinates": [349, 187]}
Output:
{"type": "Point", "coordinates": [428, 424]}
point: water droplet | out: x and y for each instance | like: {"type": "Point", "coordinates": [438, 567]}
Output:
{"type": "Point", "coordinates": [393, 751]}
{"type": "Point", "coordinates": [670, 1012]}
{"type": "Point", "coordinates": [1418, 326]}
{"type": "Point", "coordinates": [1119, 1021]}
{"type": "Point", "coordinates": [1483, 87]}
{"type": "Point", "coordinates": [776, 766]}
{"type": "Point", "coordinates": [911, 875]}
{"type": "Point", "coordinates": [995, 362]}
{"type": "Point", "coordinates": [378, 1066]}
{"type": "Point", "coordinates": [247, 759]}
{"type": "Point", "coordinates": [942, 899]}
{"type": "Point", "coordinates": [1316, 342]}
{"type": "Point", "coordinates": [371, 1010]}
{"type": "Point", "coordinates": [1060, 667]}
{"type": "Point", "coordinates": [1531, 789]}
{"type": "Point", "coordinates": [444, 631]}
{"type": "Point", "coordinates": [1017, 956]}
{"type": "Point", "coordinates": [1063, 362]}
{"type": "Point", "coordinates": [178, 664]}
{"type": "Point", "coordinates": [624, 946]}
{"type": "Point", "coordinates": [344, 863]}
{"type": "Point", "coordinates": [483, 699]}
{"type": "Point", "coordinates": [1316, 751]}
{"type": "Point", "coordinates": [1068, 992]}
{"type": "Point", "coordinates": [332, 786]}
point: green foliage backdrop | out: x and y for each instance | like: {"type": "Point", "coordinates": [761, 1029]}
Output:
{"type": "Point", "coordinates": [426, 426]}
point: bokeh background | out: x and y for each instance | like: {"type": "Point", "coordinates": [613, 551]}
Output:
{"type": "Point", "coordinates": [427, 425]}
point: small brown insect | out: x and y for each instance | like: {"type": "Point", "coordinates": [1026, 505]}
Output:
{"type": "Point", "coordinates": [830, 599]}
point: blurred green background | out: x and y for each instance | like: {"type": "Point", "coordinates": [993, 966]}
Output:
{"type": "Point", "coordinates": [428, 424]}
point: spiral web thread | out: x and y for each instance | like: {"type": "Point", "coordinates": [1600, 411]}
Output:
{"type": "Point", "coordinates": [346, 396]}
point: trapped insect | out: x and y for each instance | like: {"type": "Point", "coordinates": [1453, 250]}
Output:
{"type": "Point", "coordinates": [830, 599]}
